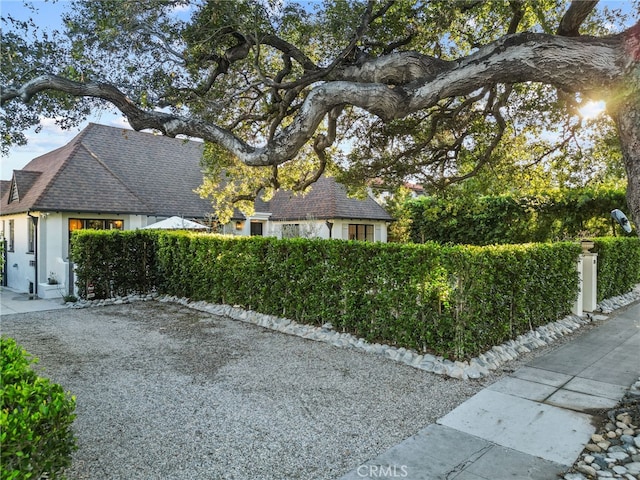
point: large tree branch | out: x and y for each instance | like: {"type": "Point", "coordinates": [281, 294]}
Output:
{"type": "Point", "coordinates": [577, 13]}
{"type": "Point", "coordinates": [573, 64]}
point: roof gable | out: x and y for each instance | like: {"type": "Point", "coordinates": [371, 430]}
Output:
{"type": "Point", "coordinates": [43, 170]}
{"type": "Point", "coordinates": [115, 170]}
{"type": "Point", "coordinates": [21, 184]}
{"type": "Point", "coordinates": [326, 200]}
{"type": "Point", "coordinates": [83, 184]}
{"type": "Point", "coordinates": [161, 170]}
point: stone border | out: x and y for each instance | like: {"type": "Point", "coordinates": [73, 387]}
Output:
{"type": "Point", "coordinates": [475, 368]}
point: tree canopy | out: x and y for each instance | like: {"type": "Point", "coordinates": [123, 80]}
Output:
{"type": "Point", "coordinates": [432, 91]}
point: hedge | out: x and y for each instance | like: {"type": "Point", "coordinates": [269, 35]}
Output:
{"type": "Point", "coordinates": [504, 291]}
{"type": "Point", "coordinates": [506, 219]}
{"type": "Point", "coordinates": [35, 419]}
{"type": "Point", "coordinates": [114, 264]}
{"type": "Point", "coordinates": [618, 265]}
{"type": "Point", "coordinates": [453, 301]}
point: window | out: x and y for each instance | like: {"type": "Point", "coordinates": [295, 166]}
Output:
{"type": "Point", "coordinates": [256, 229]}
{"type": "Point", "coordinates": [95, 224]}
{"type": "Point", "coordinates": [31, 236]}
{"type": "Point", "coordinates": [290, 230]}
{"type": "Point", "coordinates": [10, 245]}
{"type": "Point", "coordinates": [361, 232]}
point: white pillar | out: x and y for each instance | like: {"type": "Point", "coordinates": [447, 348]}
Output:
{"type": "Point", "coordinates": [590, 282]}
{"type": "Point", "coordinates": [577, 306]}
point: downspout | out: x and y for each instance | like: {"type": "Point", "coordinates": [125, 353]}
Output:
{"type": "Point", "coordinates": [35, 251]}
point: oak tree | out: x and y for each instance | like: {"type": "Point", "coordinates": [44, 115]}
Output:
{"type": "Point", "coordinates": [432, 91]}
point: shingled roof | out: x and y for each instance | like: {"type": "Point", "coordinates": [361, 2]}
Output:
{"type": "Point", "coordinates": [114, 170]}
{"type": "Point", "coordinates": [327, 199]}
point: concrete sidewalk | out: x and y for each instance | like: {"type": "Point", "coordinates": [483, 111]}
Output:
{"type": "Point", "coordinates": [16, 302]}
{"type": "Point", "coordinates": [532, 424]}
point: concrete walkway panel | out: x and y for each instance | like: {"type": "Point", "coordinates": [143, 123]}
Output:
{"type": "Point", "coordinates": [523, 388]}
{"type": "Point", "coordinates": [540, 375]}
{"type": "Point", "coordinates": [502, 463]}
{"type": "Point", "coordinates": [529, 427]}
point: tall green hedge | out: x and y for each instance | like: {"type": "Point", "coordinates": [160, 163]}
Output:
{"type": "Point", "coordinates": [114, 264]}
{"type": "Point", "coordinates": [36, 440]}
{"type": "Point", "coordinates": [454, 301]}
{"type": "Point", "coordinates": [618, 265]}
{"type": "Point", "coordinates": [507, 219]}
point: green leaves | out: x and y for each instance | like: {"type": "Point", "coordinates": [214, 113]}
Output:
{"type": "Point", "coordinates": [547, 216]}
{"type": "Point", "coordinates": [35, 419]}
{"type": "Point", "coordinates": [618, 265]}
{"type": "Point", "coordinates": [114, 262]}
{"type": "Point", "coordinates": [455, 301]}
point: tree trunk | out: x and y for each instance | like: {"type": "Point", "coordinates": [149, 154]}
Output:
{"type": "Point", "coordinates": [627, 118]}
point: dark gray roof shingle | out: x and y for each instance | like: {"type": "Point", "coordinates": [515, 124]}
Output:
{"type": "Point", "coordinates": [114, 170]}
{"type": "Point", "coordinates": [326, 200]}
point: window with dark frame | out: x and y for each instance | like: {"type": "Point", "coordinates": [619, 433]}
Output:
{"type": "Point", "coordinates": [362, 232]}
{"type": "Point", "coordinates": [31, 236]}
{"type": "Point", "coordinates": [11, 238]}
{"type": "Point", "coordinates": [290, 230]}
{"type": "Point", "coordinates": [95, 224]}
{"type": "Point", "coordinates": [256, 229]}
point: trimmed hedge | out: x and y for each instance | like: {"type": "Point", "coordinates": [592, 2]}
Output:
{"type": "Point", "coordinates": [453, 301]}
{"type": "Point", "coordinates": [114, 264]}
{"type": "Point", "coordinates": [618, 265]}
{"type": "Point", "coordinates": [506, 290]}
{"type": "Point", "coordinates": [35, 419]}
{"type": "Point", "coordinates": [507, 219]}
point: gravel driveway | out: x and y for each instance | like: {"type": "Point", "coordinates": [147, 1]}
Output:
{"type": "Point", "coordinates": [165, 392]}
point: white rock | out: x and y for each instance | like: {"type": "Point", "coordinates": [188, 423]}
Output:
{"type": "Point", "coordinates": [587, 470]}
{"type": "Point", "coordinates": [619, 469]}
{"type": "Point", "coordinates": [633, 468]}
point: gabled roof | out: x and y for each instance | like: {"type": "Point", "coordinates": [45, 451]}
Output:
{"type": "Point", "coordinates": [327, 199]}
{"type": "Point", "coordinates": [22, 182]}
{"type": "Point", "coordinates": [114, 170]}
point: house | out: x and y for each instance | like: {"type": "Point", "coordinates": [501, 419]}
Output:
{"type": "Point", "coordinates": [113, 178]}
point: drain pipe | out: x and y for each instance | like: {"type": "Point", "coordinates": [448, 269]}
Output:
{"type": "Point", "coordinates": [35, 251]}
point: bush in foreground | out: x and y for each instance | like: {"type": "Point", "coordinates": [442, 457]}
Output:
{"type": "Point", "coordinates": [35, 419]}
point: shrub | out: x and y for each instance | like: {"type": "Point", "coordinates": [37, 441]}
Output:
{"type": "Point", "coordinates": [453, 301]}
{"type": "Point", "coordinates": [35, 420]}
{"type": "Point", "coordinates": [485, 220]}
{"type": "Point", "coordinates": [114, 262]}
{"type": "Point", "coordinates": [502, 291]}
{"type": "Point", "coordinates": [618, 265]}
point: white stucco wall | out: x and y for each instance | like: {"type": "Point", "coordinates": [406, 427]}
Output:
{"type": "Point", "coordinates": [339, 231]}
{"type": "Point", "coordinates": [52, 249]}
{"type": "Point", "coordinates": [19, 271]}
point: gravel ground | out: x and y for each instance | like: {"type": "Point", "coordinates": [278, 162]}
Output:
{"type": "Point", "coordinates": [165, 392]}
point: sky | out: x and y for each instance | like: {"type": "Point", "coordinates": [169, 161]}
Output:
{"type": "Point", "coordinates": [52, 136]}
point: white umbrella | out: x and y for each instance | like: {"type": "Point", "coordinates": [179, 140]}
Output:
{"type": "Point", "coordinates": [177, 223]}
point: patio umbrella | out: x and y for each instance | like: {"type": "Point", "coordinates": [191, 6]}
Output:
{"type": "Point", "coordinates": [177, 223]}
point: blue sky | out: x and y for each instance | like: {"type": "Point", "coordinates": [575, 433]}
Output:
{"type": "Point", "coordinates": [51, 136]}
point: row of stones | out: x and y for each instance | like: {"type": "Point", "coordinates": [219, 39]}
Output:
{"type": "Point", "coordinates": [477, 367]}
{"type": "Point", "coordinates": [614, 451]}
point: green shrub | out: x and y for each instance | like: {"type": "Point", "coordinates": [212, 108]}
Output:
{"type": "Point", "coordinates": [114, 262]}
{"type": "Point", "coordinates": [453, 301]}
{"type": "Point", "coordinates": [502, 291]}
{"type": "Point", "coordinates": [35, 420]}
{"type": "Point", "coordinates": [505, 219]}
{"type": "Point", "coordinates": [618, 265]}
